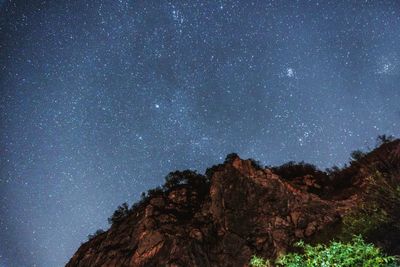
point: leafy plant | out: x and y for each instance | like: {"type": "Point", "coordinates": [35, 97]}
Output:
{"type": "Point", "coordinates": [259, 262]}
{"type": "Point", "coordinates": [378, 209]}
{"type": "Point", "coordinates": [338, 254]}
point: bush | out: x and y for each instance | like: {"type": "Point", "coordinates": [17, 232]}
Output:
{"type": "Point", "coordinates": [98, 232]}
{"type": "Point", "coordinates": [121, 213]}
{"type": "Point", "coordinates": [377, 211]}
{"type": "Point", "coordinates": [259, 262]}
{"type": "Point", "coordinates": [357, 155]}
{"type": "Point", "coordinates": [187, 177]}
{"type": "Point", "coordinates": [355, 253]}
{"type": "Point", "coordinates": [158, 191]}
{"type": "Point", "coordinates": [231, 157]}
{"type": "Point", "coordinates": [291, 170]}
{"type": "Point", "coordinates": [256, 164]}
{"type": "Point", "coordinates": [383, 139]}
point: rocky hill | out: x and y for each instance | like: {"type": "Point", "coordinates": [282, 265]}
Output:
{"type": "Point", "coordinates": [239, 209]}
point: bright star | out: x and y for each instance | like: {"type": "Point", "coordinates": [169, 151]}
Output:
{"type": "Point", "coordinates": [290, 72]}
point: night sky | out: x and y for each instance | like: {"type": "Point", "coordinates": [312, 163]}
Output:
{"type": "Point", "coordinates": [101, 99]}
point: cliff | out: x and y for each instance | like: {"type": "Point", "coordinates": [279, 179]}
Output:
{"type": "Point", "coordinates": [239, 209]}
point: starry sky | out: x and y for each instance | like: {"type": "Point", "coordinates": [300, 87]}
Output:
{"type": "Point", "coordinates": [101, 99]}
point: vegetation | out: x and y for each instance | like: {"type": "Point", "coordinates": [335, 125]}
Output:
{"type": "Point", "coordinates": [366, 219]}
{"type": "Point", "coordinates": [357, 155]}
{"type": "Point", "coordinates": [118, 215]}
{"type": "Point", "coordinates": [230, 157]}
{"type": "Point", "coordinates": [383, 139]}
{"type": "Point", "coordinates": [98, 232]}
{"type": "Point", "coordinates": [378, 210]}
{"type": "Point", "coordinates": [355, 253]}
{"type": "Point", "coordinates": [259, 262]}
{"type": "Point", "coordinates": [291, 170]}
{"type": "Point", "coordinates": [187, 177]}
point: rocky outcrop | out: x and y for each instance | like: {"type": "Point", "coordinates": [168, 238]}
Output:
{"type": "Point", "coordinates": [239, 209]}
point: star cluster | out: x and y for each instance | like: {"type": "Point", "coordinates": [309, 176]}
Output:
{"type": "Point", "coordinates": [101, 99]}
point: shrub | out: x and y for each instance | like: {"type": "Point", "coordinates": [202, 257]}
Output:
{"type": "Point", "coordinates": [187, 177]}
{"type": "Point", "coordinates": [256, 164]}
{"type": "Point", "coordinates": [259, 262]}
{"type": "Point", "coordinates": [231, 157]}
{"type": "Point", "coordinates": [121, 213]}
{"type": "Point", "coordinates": [378, 210]}
{"type": "Point", "coordinates": [98, 232]}
{"type": "Point", "coordinates": [383, 139]}
{"type": "Point", "coordinates": [355, 253]}
{"type": "Point", "coordinates": [357, 155]}
{"type": "Point", "coordinates": [154, 192]}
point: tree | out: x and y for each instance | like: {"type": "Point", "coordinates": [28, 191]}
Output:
{"type": "Point", "coordinates": [230, 157]}
{"type": "Point", "coordinates": [188, 177]}
{"type": "Point", "coordinates": [256, 164]}
{"type": "Point", "coordinates": [383, 139]}
{"type": "Point", "coordinates": [357, 155]}
{"type": "Point", "coordinates": [98, 232]}
{"type": "Point", "coordinates": [118, 215]}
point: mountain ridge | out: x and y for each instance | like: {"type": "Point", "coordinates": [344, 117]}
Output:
{"type": "Point", "coordinates": [238, 209]}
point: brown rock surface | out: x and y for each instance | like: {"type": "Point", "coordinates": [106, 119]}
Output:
{"type": "Point", "coordinates": [240, 210]}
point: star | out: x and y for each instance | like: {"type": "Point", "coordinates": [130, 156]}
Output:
{"type": "Point", "coordinates": [290, 72]}
{"type": "Point", "coordinates": [99, 100]}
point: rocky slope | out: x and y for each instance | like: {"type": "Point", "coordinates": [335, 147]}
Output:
{"type": "Point", "coordinates": [238, 209]}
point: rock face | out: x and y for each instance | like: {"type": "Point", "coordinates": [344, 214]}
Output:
{"type": "Point", "coordinates": [239, 209]}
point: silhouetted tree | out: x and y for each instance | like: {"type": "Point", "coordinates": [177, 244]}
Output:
{"type": "Point", "coordinates": [121, 212]}
{"type": "Point", "coordinates": [292, 170]}
{"type": "Point", "coordinates": [332, 170]}
{"type": "Point", "coordinates": [256, 164]}
{"type": "Point", "coordinates": [173, 179]}
{"type": "Point", "coordinates": [230, 157]}
{"type": "Point", "coordinates": [357, 155]}
{"type": "Point", "coordinates": [98, 232]}
{"type": "Point", "coordinates": [383, 139]}
{"type": "Point", "coordinates": [154, 192]}
{"type": "Point", "coordinates": [188, 177]}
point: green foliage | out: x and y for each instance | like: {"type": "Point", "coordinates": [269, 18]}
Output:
{"type": "Point", "coordinates": [366, 219]}
{"type": "Point", "coordinates": [158, 191]}
{"type": "Point", "coordinates": [231, 157]}
{"type": "Point", "coordinates": [378, 209]}
{"type": "Point", "coordinates": [256, 164]}
{"type": "Point", "coordinates": [259, 262]}
{"type": "Point", "coordinates": [355, 253]}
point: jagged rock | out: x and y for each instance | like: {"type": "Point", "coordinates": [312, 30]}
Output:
{"type": "Point", "coordinates": [244, 210]}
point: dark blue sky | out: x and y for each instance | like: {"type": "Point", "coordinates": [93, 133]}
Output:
{"type": "Point", "coordinates": [101, 99]}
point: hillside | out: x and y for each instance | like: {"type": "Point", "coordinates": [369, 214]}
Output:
{"type": "Point", "coordinates": [238, 209]}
